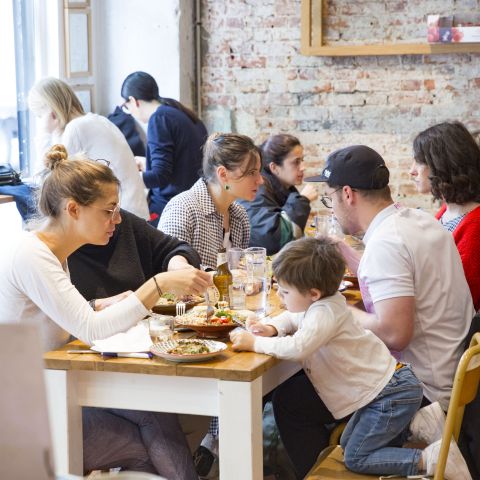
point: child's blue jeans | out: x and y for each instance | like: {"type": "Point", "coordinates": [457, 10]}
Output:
{"type": "Point", "coordinates": [374, 435]}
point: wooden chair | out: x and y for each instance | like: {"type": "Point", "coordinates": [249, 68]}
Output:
{"type": "Point", "coordinates": [330, 464]}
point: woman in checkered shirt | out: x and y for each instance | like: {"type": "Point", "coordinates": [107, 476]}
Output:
{"type": "Point", "coordinates": [207, 216]}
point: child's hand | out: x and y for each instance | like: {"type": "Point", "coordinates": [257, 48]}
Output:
{"type": "Point", "coordinates": [260, 329]}
{"type": "Point", "coordinates": [242, 340]}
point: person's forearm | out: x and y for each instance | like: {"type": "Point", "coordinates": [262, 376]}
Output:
{"type": "Point", "coordinates": [369, 321]}
{"type": "Point", "coordinates": [352, 257]}
{"type": "Point", "coordinates": [178, 263]}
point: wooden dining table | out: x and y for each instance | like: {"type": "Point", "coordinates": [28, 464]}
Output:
{"type": "Point", "coordinates": [230, 386]}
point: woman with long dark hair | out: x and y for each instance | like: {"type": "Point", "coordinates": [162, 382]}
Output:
{"type": "Point", "coordinates": [447, 164]}
{"type": "Point", "coordinates": [279, 212]}
{"type": "Point", "coordinates": [175, 137]}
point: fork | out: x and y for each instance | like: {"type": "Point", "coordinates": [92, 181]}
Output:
{"type": "Point", "coordinates": [210, 309]}
{"type": "Point", "coordinates": [180, 309]}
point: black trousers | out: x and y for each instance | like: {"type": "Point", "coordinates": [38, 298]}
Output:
{"type": "Point", "coordinates": [302, 420]}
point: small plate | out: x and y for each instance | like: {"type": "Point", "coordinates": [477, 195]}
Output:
{"type": "Point", "coordinates": [161, 350]}
{"type": "Point", "coordinates": [170, 308]}
{"type": "Point", "coordinates": [344, 285]}
{"type": "Point", "coordinates": [351, 278]}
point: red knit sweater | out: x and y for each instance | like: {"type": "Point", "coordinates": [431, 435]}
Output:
{"type": "Point", "coordinates": [467, 238]}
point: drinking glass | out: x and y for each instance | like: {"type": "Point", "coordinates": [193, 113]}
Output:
{"type": "Point", "coordinates": [160, 327]}
{"type": "Point", "coordinates": [237, 266]}
{"type": "Point", "coordinates": [327, 225]}
{"type": "Point", "coordinates": [256, 283]}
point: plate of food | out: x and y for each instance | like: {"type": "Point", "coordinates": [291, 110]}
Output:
{"type": "Point", "coordinates": [344, 285]}
{"type": "Point", "coordinates": [166, 304]}
{"type": "Point", "coordinates": [188, 350]}
{"type": "Point", "coordinates": [350, 277]}
{"type": "Point", "coordinates": [216, 326]}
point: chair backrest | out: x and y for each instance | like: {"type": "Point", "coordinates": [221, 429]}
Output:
{"type": "Point", "coordinates": [25, 442]}
{"type": "Point", "coordinates": [465, 387]}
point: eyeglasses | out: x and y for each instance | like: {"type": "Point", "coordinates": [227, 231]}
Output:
{"type": "Point", "coordinates": [327, 199]}
{"type": "Point", "coordinates": [112, 213]}
{"type": "Point", "coordinates": [104, 161]}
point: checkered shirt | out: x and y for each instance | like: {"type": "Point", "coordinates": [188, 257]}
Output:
{"type": "Point", "coordinates": [191, 217]}
{"type": "Point", "coordinates": [452, 224]}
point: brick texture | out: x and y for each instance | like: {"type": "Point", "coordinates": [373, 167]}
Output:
{"type": "Point", "coordinates": [256, 82]}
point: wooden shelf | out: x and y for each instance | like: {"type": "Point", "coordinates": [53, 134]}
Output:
{"type": "Point", "coordinates": [312, 40]}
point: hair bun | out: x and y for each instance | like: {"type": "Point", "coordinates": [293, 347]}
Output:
{"type": "Point", "coordinates": [56, 154]}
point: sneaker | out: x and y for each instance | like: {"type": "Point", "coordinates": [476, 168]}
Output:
{"type": "Point", "coordinates": [206, 463]}
{"type": "Point", "coordinates": [456, 467]}
{"type": "Point", "coordinates": [427, 424]}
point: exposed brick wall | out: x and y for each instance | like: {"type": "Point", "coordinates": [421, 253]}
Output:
{"type": "Point", "coordinates": [255, 81]}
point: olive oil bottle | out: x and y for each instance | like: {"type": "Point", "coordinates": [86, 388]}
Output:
{"type": "Point", "coordinates": [222, 277]}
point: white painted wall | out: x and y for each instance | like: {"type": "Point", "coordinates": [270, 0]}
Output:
{"type": "Point", "coordinates": [140, 35]}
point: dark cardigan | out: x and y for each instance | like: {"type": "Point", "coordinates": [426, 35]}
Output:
{"type": "Point", "coordinates": [135, 253]}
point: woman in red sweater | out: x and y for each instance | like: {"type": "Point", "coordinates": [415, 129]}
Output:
{"type": "Point", "coordinates": [447, 164]}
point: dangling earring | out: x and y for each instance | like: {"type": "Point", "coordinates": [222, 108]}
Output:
{"type": "Point", "coordinates": [227, 186]}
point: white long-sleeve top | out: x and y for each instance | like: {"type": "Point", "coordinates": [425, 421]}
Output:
{"type": "Point", "coordinates": [347, 365]}
{"type": "Point", "coordinates": [35, 288]}
{"type": "Point", "coordinates": [98, 137]}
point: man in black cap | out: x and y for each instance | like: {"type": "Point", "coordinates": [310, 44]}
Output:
{"type": "Point", "coordinates": [413, 288]}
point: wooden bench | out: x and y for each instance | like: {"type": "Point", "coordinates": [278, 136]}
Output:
{"type": "Point", "coordinates": [6, 199]}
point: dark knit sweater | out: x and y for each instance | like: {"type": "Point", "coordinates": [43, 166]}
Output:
{"type": "Point", "coordinates": [135, 253]}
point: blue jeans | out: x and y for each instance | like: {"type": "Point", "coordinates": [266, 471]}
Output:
{"type": "Point", "coordinates": [24, 198]}
{"type": "Point", "coordinates": [374, 435]}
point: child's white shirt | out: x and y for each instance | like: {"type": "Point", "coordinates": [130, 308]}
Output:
{"type": "Point", "coordinates": [347, 365]}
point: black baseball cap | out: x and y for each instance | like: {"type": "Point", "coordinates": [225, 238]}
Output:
{"type": "Point", "coordinates": [357, 166]}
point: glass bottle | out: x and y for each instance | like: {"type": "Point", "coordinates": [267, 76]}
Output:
{"type": "Point", "coordinates": [222, 277]}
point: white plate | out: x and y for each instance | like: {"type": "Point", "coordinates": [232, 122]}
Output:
{"type": "Point", "coordinates": [161, 350]}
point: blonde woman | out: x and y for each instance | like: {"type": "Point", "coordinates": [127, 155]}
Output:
{"type": "Point", "coordinates": [61, 119]}
{"type": "Point", "coordinates": [79, 201]}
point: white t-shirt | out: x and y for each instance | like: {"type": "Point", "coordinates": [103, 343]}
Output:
{"type": "Point", "coordinates": [409, 254]}
{"type": "Point", "coordinates": [98, 137]}
{"type": "Point", "coordinates": [347, 365]}
{"type": "Point", "coordinates": [36, 289]}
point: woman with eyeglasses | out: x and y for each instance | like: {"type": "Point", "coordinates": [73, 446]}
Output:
{"type": "Point", "coordinates": [280, 212]}
{"type": "Point", "coordinates": [79, 203]}
{"type": "Point", "coordinates": [62, 119]}
{"type": "Point", "coordinates": [175, 137]}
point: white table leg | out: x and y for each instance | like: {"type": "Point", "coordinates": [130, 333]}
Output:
{"type": "Point", "coordinates": [240, 435]}
{"type": "Point", "coordinates": [65, 416]}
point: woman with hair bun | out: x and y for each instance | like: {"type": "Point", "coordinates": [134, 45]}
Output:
{"type": "Point", "coordinates": [63, 120]}
{"type": "Point", "coordinates": [79, 204]}
{"type": "Point", "coordinates": [447, 164]}
{"type": "Point", "coordinates": [175, 137]}
{"type": "Point", "coordinates": [207, 216]}
{"type": "Point", "coordinates": [280, 212]}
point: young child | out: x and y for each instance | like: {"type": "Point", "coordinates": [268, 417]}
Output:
{"type": "Point", "coordinates": [350, 368]}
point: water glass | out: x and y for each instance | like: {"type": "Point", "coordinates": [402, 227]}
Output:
{"type": "Point", "coordinates": [256, 261]}
{"type": "Point", "coordinates": [327, 225]}
{"type": "Point", "coordinates": [237, 295]}
{"type": "Point", "coordinates": [160, 327]}
{"type": "Point", "coordinates": [257, 280]}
